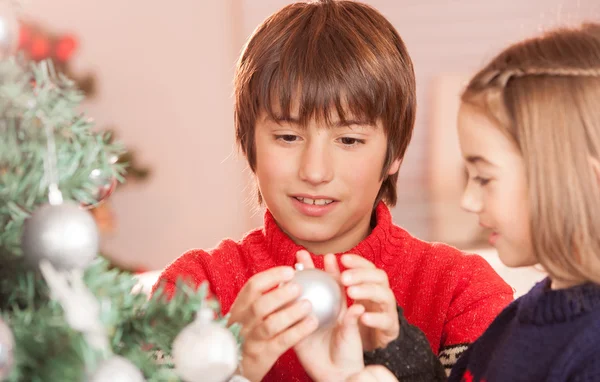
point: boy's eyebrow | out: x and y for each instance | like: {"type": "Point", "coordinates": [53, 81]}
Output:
{"type": "Point", "coordinates": [346, 123]}
{"type": "Point", "coordinates": [478, 159]}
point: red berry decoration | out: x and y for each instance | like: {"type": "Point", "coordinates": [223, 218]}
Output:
{"type": "Point", "coordinates": [64, 48]}
{"type": "Point", "coordinates": [39, 48]}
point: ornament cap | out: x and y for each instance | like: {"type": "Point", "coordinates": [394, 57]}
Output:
{"type": "Point", "coordinates": [204, 316]}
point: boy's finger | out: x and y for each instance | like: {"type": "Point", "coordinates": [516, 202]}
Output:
{"type": "Point", "coordinates": [303, 257]}
{"type": "Point", "coordinates": [381, 321]}
{"type": "Point", "coordinates": [274, 300]}
{"type": "Point", "coordinates": [265, 281]}
{"type": "Point", "coordinates": [372, 292]}
{"type": "Point", "coordinates": [352, 315]}
{"type": "Point", "coordinates": [349, 329]}
{"type": "Point", "coordinates": [283, 319]}
{"type": "Point", "coordinates": [255, 287]}
{"type": "Point", "coordinates": [331, 266]}
{"type": "Point", "coordinates": [364, 276]}
{"type": "Point", "coordinates": [356, 261]}
{"type": "Point", "coordinates": [294, 335]}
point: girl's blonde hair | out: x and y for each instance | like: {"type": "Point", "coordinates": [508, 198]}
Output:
{"type": "Point", "coordinates": [544, 93]}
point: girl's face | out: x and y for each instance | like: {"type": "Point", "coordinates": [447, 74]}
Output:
{"type": "Point", "coordinates": [497, 187]}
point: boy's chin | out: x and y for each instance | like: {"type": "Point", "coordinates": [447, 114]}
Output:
{"type": "Point", "coordinates": [312, 236]}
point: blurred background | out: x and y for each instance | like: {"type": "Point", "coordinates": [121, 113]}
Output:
{"type": "Point", "coordinates": [160, 76]}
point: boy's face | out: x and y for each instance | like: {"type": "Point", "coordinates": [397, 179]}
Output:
{"type": "Point", "coordinates": [320, 182]}
{"type": "Point", "coordinates": [497, 188]}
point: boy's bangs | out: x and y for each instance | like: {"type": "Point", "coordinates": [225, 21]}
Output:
{"type": "Point", "coordinates": [322, 88]}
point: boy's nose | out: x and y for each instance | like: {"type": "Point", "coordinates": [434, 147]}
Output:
{"type": "Point", "coordinates": [316, 166]}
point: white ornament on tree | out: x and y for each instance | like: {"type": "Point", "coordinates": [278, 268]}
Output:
{"type": "Point", "coordinates": [117, 369]}
{"type": "Point", "coordinates": [322, 291]}
{"type": "Point", "coordinates": [205, 351]}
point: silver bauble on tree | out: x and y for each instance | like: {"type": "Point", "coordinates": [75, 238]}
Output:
{"type": "Point", "coordinates": [322, 291]}
{"type": "Point", "coordinates": [64, 234]}
{"type": "Point", "coordinates": [104, 185]}
{"type": "Point", "coordinates": [205, 351]}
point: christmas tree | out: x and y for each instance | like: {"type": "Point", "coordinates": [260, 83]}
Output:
{"type": "Point", "coordinates": [65, 314]}
{"type": "Point", "coordinates": [39, 42]}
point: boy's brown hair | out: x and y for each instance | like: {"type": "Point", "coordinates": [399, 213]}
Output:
{"type": "Point", "coordinates": [544, 95]}
{"type": "Point", "coordinates": [328, 55]}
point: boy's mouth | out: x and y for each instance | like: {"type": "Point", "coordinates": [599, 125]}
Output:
{"type": "Point", "coordinates": [316, 202]}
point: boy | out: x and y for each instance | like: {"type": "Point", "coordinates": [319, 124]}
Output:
{"type": "Point", "coordinates": [324, 111]}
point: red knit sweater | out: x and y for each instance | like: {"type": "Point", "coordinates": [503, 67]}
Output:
{"type": "Point", "coordinates": [452, 297]}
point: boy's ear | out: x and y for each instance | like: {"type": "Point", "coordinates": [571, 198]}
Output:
{"type": "Point", "coordinates": [395, 166]}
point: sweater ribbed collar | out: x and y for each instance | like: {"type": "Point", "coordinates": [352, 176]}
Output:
{"type": "Point", "coordinates": [373, 248]}
{"type": "Point", "coordinates": [543, 305]}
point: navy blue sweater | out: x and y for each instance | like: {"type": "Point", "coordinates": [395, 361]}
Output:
{"type": "Point", "coordinates": [546, 335]}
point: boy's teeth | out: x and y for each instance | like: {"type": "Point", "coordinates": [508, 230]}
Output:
{"type": "Point", "coordinates": [317, 202]}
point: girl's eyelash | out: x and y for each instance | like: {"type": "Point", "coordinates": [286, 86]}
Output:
{"type": "Point", "coordinates": [481, 181]}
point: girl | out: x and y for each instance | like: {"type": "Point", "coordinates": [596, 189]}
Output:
{"type": "Point", "coordinates": [529, 131]}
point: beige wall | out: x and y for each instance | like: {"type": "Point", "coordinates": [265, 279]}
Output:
{"type": "Point", "coordinates": [164, 72]}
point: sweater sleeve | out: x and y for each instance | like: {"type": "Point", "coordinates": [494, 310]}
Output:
{"type": "Point", "coordinates": [188, 268]}
{"type": "Point", "coordinates": [479, 296]}
{"type": "Point", "coordinates": [409, 357]}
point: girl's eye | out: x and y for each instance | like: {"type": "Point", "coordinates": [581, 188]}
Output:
{"type": "Point", "coordinates": [481, 181]}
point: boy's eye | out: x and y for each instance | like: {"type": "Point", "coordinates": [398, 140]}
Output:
{"type": "Point", "coordinates": [289, 138]}
{"type": "Point", "coordinates": [349, 141]}
{"type": "Point", "coordinates": [481, 181]}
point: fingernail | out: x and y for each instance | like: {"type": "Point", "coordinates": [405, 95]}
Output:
{"type": "Point", "coordinates": [305, 305]}
{"type": "Point", "coordinates": [313, 322]}
{"type": "Point", "coordinates": [288, 272]}
{"type": "Point", "coordinates": [352, 291]}
{"type": "Point", "coordinates": [346, 278]}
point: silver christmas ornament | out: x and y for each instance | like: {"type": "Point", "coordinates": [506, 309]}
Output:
{"type": "Point", "coordinates": [104, 185]}
{"type": "Point", "coordinates": [205, 351]}
{"type": "Point", "coordinates": [7, 344]}
{"type": "Point", "coordinates": [117, 369]}
{"type": "Point", "coordinates": [322, 291]}
{"type": "Point", "coordinates": [64, 234]}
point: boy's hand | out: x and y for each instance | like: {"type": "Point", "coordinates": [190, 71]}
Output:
{"type": "Point", "coordinates": [369, 286]}
{"type": "Point", "coordinates": [373, 373]}
{"type": "Point", "coordinates": [271, 321]}
{"type": "Point", "coordinates": [332, 354]}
